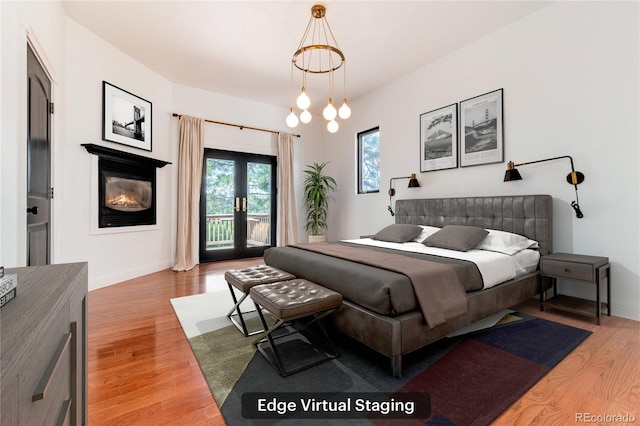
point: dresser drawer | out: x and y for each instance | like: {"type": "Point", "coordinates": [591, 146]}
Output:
{"type": "Point", "coordinates": [576, 271]}
{"type": "Point", "coordinates": [50, 359]}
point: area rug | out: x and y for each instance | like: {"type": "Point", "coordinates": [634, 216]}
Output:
{"type": "Point", "coordinates": [467, 379]}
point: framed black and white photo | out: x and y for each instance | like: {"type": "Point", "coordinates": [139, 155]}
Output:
{"type": "Point", "coordinates": [126, 118]}
{"type": "Point", "coordinates": [439, 139]}
{"type": "Point", "coordinates": [481, 134]}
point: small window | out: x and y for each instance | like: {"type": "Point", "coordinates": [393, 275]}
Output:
{"type": "Point", "coordinates": [369, 161]}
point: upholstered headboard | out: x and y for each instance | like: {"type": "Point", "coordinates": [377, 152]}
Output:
{"type": "Point", "coordinates": [528, 215]}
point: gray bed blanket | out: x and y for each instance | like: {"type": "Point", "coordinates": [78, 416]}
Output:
{"type": "Point", "coordinates": [384, 292]}
{"type": "Point", "coordinates": [440, 294]}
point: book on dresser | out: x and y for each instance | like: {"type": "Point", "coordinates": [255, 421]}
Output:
{"type": "Point", "coordinates": [8, 288]}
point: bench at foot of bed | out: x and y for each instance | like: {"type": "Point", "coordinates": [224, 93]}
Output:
{"type": "Point", "coordinates": [299, 306]}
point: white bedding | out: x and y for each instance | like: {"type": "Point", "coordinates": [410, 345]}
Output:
{"type": "Point", "coordinates": [494, 267]}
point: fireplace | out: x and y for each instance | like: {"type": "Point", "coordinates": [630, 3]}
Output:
{"type": "Point", "coordinates": [127, 187]}
{"type": "Point", "coordinates": [127, 194]}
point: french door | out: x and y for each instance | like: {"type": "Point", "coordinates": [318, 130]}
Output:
{"type": "Point", "coordinates": [237, 205]}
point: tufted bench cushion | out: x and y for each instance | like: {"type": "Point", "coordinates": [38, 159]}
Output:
{"type": "Point", "coordinates": [244, 279]}
{"type": "Point", "coordinates": [295, 298]}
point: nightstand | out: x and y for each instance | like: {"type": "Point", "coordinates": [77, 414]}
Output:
{"type": "Point", "coordinates": [580, 268]}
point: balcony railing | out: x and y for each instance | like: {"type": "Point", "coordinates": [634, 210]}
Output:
{"type": "Point", "coordinates": [219, 230]}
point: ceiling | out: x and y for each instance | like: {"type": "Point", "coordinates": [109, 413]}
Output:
{"type": "Point", "coordinates": [244, 48]}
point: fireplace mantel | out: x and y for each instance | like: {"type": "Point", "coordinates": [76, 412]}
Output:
{"type": "Point", "coordinates": [103, 151]}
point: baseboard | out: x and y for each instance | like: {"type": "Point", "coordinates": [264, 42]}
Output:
{"type": "Point", "coordinates": [128, 274]}
{"type": "Point", "coordinates": [625, 311]}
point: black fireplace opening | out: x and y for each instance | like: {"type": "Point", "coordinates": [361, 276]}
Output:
{"type": "Point", "coordinates": [127, 193]}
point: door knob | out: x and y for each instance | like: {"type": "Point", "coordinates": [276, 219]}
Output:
{"type": "Point", "coordinates": [33, 209]}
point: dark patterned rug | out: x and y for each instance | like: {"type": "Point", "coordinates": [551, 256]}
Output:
{"type": "Point", "coordinates": [469, 379]}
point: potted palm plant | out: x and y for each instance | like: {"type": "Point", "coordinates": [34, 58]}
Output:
{"type": "Point", "coordinates": [317, 186]}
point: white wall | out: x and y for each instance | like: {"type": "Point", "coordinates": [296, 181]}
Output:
{"type": "Point", "coordinates": [77, 62]}
{"type": "Point", "coordinates": [123, 253]}
{"type": "Point", "coordinates": [570, 75]}
{"type": "Point", "coordinates": [91, 60]}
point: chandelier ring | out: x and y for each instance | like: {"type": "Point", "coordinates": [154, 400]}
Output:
{"type": "Point", "coordinates": [312, 47]}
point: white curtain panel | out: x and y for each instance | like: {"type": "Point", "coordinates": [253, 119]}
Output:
{"type": "Point", "coordinates": [287, 217]}
{"type": "Point", "coordinates": [189, 179]}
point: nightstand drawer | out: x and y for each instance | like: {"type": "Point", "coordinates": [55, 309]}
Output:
{"type": "Point", "coordinates": [576, 271]}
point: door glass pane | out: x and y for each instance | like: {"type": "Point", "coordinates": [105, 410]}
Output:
{"type": "Point", "coordinates": [258, 204]}
{"type": "Point", "coordinates": [220, 199]}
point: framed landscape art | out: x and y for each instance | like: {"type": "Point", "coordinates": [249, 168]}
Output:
{"type": "Point", "coordinates": [126, 118]}
{"type": "Point", "coordinates": [439, 139]}
{"type": "Point", "coordinates": [481, 130]}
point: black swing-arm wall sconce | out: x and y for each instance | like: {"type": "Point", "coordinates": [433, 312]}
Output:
{"type": "Point", "coordinates": [574, 178]}
{"type": "Point", "coordinates": [413, 183]}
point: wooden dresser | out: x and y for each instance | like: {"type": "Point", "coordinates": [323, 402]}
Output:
{"type": "Point", "coordinates": [43, 347]}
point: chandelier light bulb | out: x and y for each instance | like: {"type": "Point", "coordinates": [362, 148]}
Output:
{"type": "Point", "coordinates": [333, 126]}
{"type": "Point", "coordinates": [344, 112]}
{"type": "Point", "coordinates": [303, 100]}
{"type": "Point", "coordinates": [329, 112]}
{"type": "Point", "coordinates": [305, 116]}
{"type": "Point", "coordinates": [292, 120]}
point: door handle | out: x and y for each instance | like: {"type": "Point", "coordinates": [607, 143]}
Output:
{"type": "Point", "coordinates": [237, 204]}
{"type": "Point", "coordinates": [33, 210]}
{"type": "Point", "coordinates": [244, 204]}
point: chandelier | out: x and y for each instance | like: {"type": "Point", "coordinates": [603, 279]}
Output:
{"type": "Point", "coordinates": [318, 53]}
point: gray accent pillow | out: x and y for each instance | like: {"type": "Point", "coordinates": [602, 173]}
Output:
{"type": "Point", "coordinates": [398, 233]}
{"type": "Point", "coordinates": [456, 237]}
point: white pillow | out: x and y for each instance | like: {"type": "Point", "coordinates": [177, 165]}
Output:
{"type": "Point", "coordinates": [427, 231]}
{"type": "Point", "coordinates": [505, 242]}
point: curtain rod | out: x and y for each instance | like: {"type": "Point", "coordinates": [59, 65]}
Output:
{"type": "Point", "coordinates": [238, 126]}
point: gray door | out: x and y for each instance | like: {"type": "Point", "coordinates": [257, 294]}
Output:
{"type": "Point", "coordinates": [38, 162]}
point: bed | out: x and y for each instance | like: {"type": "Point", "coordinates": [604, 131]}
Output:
{"type": "Point", "coordinates": [380, 308]}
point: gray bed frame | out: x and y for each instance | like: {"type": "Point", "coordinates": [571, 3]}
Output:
{"type": "Point", "coordinates": [528, 215]}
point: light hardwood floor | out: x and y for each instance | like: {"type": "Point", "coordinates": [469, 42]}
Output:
{"type": "Point", "coordinates": [142, 370]}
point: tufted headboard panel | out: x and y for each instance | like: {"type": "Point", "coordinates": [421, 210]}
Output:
{"type": "Point", "coordinates": [528, 215]}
